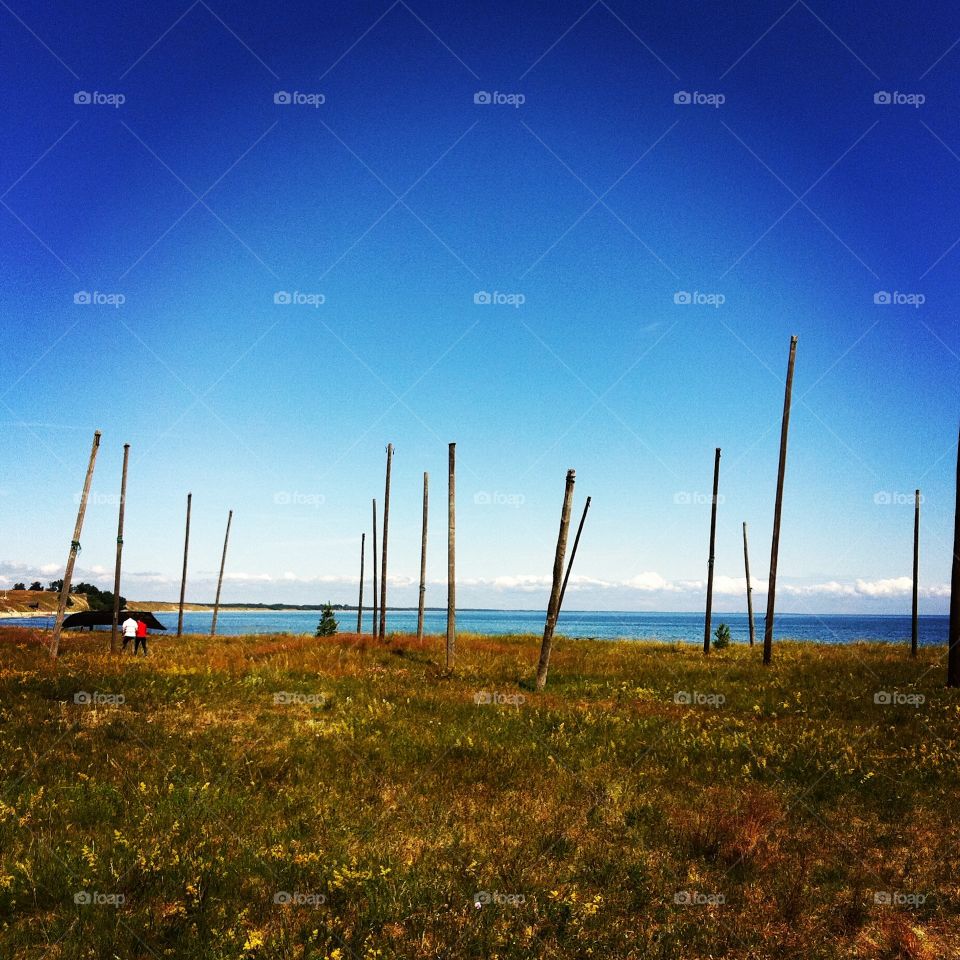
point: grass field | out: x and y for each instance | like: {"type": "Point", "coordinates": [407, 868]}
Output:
{"type": "Point", "coordinates": [268, 797]}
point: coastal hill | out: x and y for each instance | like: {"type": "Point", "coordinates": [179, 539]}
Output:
{"type": "Point", "coordinates": [37, 602]}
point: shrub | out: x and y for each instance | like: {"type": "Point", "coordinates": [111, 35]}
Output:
{"type": "Point", "coordinates": [722, 637]}
{"type": "Point", "coordinates": [327, 626]}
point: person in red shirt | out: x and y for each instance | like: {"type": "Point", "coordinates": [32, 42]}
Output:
{"type": "Point", "coordinates": [141, 638]}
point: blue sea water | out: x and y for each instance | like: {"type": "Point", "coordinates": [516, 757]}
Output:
{"type": "Point", "coordinates": [684, 627]}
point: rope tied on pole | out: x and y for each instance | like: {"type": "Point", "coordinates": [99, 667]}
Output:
{"type": "Point", "coordinates": [75, 546]}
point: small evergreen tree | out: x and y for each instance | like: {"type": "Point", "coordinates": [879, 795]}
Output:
{"type": "Point", "coordinates": [327, 626]}
{"type": "Point", "coordinates": [722, 637]}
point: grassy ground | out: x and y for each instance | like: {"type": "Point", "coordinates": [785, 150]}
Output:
{"type": "Point", "coordinates": [781, 813]}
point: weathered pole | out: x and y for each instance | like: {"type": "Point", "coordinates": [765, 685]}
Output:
{"type": "Point", "coordinates": [74, 549]}
{"type": "Point", "coordinates": [746, 565]}
{"type": "Point", "coordinates": [953, 654]}
{"type": "Point", "coordinates": [451, 555]}
{"type": "Point", "coordinates": [183, 579]}
{"type": "Point", "coordinates": [373, 623]}
{"type": "Point", "coordinates": [116, 569]}
{"type": "Point", "coordinates": [223, 563]}
{"type": "Point", "coordinates": [775, 542]}
{"type": "Point", "coordinates": [553, 607]}
{"type": "Point", "coordinates": [423, 557]}
{"type": "Point", "coordinates": [386, 522]}
{"type": "Point", "coordinates": [712, 557]}
{"type": "Point", "coordinates": [573, 554]}
{"type": "Point", "coordinates": [363, 544]}
{"type": "Point", "coordinates": [915, 625]}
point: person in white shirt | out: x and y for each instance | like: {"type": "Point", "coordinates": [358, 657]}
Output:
{"type": "Point", "coordinates": [129, 632]}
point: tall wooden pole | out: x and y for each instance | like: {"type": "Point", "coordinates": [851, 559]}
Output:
{"type": "Point", "coordinates": [74, 549]}
{"type": "Point", "coordinates": [553, 607]}
{"type": "Point", "coordinates": [953, 654]}
{"type": "Point", "coordinates": [915, 625]}
{"type": "Point", "coordinates": [116, 569]}
{"type": "Point", "coordinates": [746, 565]}
{"type": "Point", "coordinates": [775, 542]}
{"type": "Point", "coordinates": [223, 563]}
{"type": "Point", "coordinates": [451, 555]}
{"type": "Point", "coordinates": [183, 579]}
{"type": "Point", "coordinates": [573, 554]}
{"type": "Point", "coordinates": [423, 557]}
{"type": "Point", "coordinates": [363, 544]}
{"type": "Point", "coordinates": [710, 560]}
{"type": "Point", "coordinates": [386, 522]}
{"type": "Point", "coordinates": [373, 623]}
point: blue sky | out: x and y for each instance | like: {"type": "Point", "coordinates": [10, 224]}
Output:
{"type": "Point", "coordinates": [782, 199]}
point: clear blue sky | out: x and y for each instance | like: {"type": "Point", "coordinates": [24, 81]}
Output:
{"type": "Point", "coordinates": [598, 200]}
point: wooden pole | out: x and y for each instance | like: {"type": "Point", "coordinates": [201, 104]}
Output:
{"type": "Point", "coordinates": [953, 650]}
{"type": "Point", "coordinates": [223, 563]}
{"type": "Point", "coordinates": [573, 554]}
{"type": "Point", "coordinates": [423, 557]}
{"type": "Point", "coordinates": [116, 569]}
{"type": "Point", "coordinates": [553, 607]}
{"type": "Point", "coordinates": [712, 557]}
{"type": "Point", "coordinates": [746, 564]}
{"type": "Point", "coordinates": [373, 624]}
{"type": "Point", "coordinates": [451, 555]}
{"type": "Point", "coordinates": [74, 549]}
{"type": "Point", "coordinates": [363, 544]}
{"type": "Point", "coordinates": [386, 522]}
{"type": "Point", "coordinates": [775, 542]}
{"type": "Point", "coordinates": [915, 625]}
{"type": "Point", "coordinates": [183, 579]}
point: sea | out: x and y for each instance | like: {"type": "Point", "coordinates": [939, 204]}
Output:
{"type": "Point", "coordinates": [590, 624]}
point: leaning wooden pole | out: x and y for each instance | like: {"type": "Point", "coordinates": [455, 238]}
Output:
{"type": "Point", "coordinates": [423, 557]}
{"type": "Point", "coordinates": [775, 541]}
{"type": "Point", "coordinates": [116, 569]}
{"type": "Point", "coordinates": [573, 555]}
{"type": "Point", "coordinates": [451, 555]}
{"type": "Point", "coordinates": [223, 563]}
{"type": "Point", "coordinates": [915, 619]}
{"type": "Point", "coordinates": [183, 578]}
{"type": "Point", "coordinates": [74, 549]}
{"type": "Point", "coordinates": [373, 622]}
{"type": "Point", "coordinates": [953, 652]}
{"type": "Point", "coordinates": [746, 567]}
{"type": "Point", "coordinates": [363, 544]}
{"type": "Point", "coordinates": [553, 607]}
{"type": "Point", "coordinates": [386, 523]}
{"type": "Point", "coordinates": [712, 557]}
